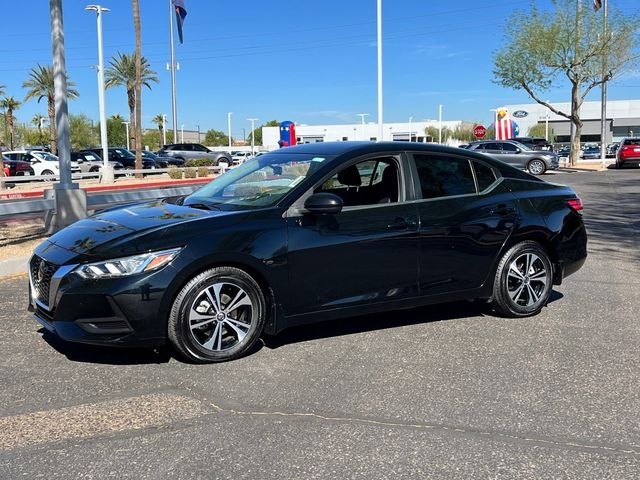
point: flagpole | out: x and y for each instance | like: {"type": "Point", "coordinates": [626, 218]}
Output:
{"type": "Point", "coordinates": [603, 100]}
{"type": "Point", "coordinates": [173, 75]}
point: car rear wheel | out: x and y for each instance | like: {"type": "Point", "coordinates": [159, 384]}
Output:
{"type": "Point", "coordinates": [47, 172]}
{"type": "Point", "coordinates": [523, 280]}
{"type": "Point", "coordinates": [536, 167]}
{"type": "Point", "coordinates": [217, 316]}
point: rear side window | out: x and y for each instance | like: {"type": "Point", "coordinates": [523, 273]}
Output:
{"type": "Point", "coordinates": [485, 176]}
{"type": "Point", "coordinates": [632, 141]}
{"type": "Point", "coordinates": [444, 176]}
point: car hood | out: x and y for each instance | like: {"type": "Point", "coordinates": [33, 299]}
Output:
{"type": "Point", "coordinates": [123, 228]}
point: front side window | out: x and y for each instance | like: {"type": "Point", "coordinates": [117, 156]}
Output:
{"type": "Point", "coordinates": [442, 176]}
{"type": "Point", "coordinates": [509, 147]}
{"type": "Point", "coordinates": [258, 183]}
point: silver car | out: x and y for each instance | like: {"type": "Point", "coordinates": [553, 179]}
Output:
{"type": "Point", "coordinates": [517, 155]}
{"type": "Point", "coordinates": [89, 162]}
{"type": "Point", "coordinates": [188, 151]}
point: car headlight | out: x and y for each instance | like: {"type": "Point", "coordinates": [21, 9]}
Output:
{"type": "Point", "coordinates": [120, 267]}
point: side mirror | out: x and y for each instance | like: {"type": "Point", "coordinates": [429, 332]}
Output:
{"type": "Point", "coordinates": [324, 203]}
{"type": "Point", "coordinates": [518, 150]}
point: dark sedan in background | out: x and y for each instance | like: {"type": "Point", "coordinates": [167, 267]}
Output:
{"type": "Point", "coordinates": [162, 161]}
{"type": "Point", "coordinates": [304, 234]}
{"type": "Point", "coordinates": [124, 157]}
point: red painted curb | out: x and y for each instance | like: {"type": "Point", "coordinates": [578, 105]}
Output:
{"type": "Point", "coordinates": [106, 188]}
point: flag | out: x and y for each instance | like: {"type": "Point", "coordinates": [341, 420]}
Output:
{"type": "Point", "coordinates": [181, 13]}
{"type": "Point", "coordinates": [506, 128]}
{"type": "Point", "coordinates": [597, 5]}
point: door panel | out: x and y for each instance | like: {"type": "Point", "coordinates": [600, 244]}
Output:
{"type": "Point", "coordinates": [359, 256]}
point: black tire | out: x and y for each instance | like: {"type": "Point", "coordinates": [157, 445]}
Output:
{"type": "Point", "coordinates": [519, 291]}
{"type": "Point", "coordinates": [47, 172]}
{"type": "Point", "coordinates": [536, 167]}
{"type": "Point", "coordinates": [235, 334]}
{"type": "Point", "coordinates": [94, 169]}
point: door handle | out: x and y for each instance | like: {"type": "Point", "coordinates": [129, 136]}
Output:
{"type": "Point", "coordinates": [503, 210]}
{"type": "Point", "coordinates": [401, 224]}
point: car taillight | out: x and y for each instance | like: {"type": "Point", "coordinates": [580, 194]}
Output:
{"type": "Point", "coordinates": [576, 204]}
{"type": "Point", "coordinates": [626, 151]}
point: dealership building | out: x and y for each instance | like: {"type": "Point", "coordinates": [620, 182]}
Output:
{"type": "Point", "coordinates": [414, 131]}
{"type": "Point", "coordinates": [623, 120]}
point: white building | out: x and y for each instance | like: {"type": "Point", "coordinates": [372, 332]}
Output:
{"type": "Point", "coordinates": [623, 119]}
{"type": "Point", "coordinates": [358, 132]}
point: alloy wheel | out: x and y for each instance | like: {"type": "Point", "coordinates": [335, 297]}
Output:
{"type": "Point", "coordinates": [220, 316]}
{"type": "Point", "coordinates": [536, 167]}
{"type": "Point", "coordinates": [527, 280]}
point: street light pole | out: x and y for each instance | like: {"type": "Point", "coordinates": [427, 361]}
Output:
{"type": "Point", "coordinates": [410, 120]}
{"type": "Point", "coordinates": [379, 44]}
{"type": "Point", "coordinates": [174, 108]}
{"type": "Point", "coordinates": [126, 126]}
{"type": "Point", "coordinates": [229, 127]}
{"type": "Point", "coordinates": [603, 100]}
{"type": "Point", "coordinates": [362, 115]}
{"type": "Point", "coordinates": [164, 129]}
{"type": "Point", "coordinates": [107, 172]}
{"type": "Point", "coordinates": [253, 134]}
{"type": "Point", "coordinates": [440, 124]}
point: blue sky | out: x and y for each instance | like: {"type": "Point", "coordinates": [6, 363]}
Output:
{"type": "Point", "coordinates": [306, 61]}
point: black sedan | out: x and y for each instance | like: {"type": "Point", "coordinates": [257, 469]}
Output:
{"type": "Point", "coordinates": [123, 156]}
{"type": "Point", "coordinates": [304, 234]}
{"type": "Point", "coordinates": [161, 161]}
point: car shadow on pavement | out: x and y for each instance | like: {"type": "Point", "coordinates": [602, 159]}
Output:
{"type": "Point", "coordinates": [386, 320]}
{"type": "Point", "coordinates": [78, 352]}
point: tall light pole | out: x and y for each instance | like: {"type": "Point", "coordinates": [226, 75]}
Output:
{"type": "Point", "coordinates": [174, 108]}
{"type": "Point", "coordinates": [379, 42]}
{"type": "Point", "coordinates": [164, 129]}
{"type": "Point", "coordinates": [362, 115]}
{"type": "Point", "coordinates": [440, 124]}
{"type": "Point", "coordinates": [546, 124]}
{"type": "Point", "coordinates": [198, 133]}
{"type": "Point", "coordinates": [229, 126]}
{"type": "Point", "coordinates": [253, 133]}
{"type": "Point", "coordinates": [410, 121]}
{"type": "Point", "coordinates": [107, 172]}
{"type": "Point", "coordinates": [126, 126]}
{"type": "Point", "coordinates": [603, 93]}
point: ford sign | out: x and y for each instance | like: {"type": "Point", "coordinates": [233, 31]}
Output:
{"type": "Point", "coordinates": [520, 113]}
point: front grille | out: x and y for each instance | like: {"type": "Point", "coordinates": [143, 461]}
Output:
{"type": "Point", "coordinates": [41, 273]}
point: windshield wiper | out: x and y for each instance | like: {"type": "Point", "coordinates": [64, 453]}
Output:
{"type": "Point", "coordinates": [202, 206]}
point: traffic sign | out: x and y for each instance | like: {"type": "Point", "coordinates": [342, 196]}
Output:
{"type": "Point", "coordinates": [479, 131]}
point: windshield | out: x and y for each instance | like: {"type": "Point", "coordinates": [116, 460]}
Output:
{"type": "Point", "coordinates": [46, 156]}
{"type": "Point", "coordinates": [258, 183]}
{"type": "Point", "coordinates": [122, 153]}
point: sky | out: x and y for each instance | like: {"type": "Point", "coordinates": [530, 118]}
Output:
{"type": "Point", "coordinates": [308, 61]}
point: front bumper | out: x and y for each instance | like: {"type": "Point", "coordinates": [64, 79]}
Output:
{"type": "Point", "coordinates": [120, 312]}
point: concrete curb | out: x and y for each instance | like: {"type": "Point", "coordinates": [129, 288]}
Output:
{"type": "Point", "coordinates": [12, 266]}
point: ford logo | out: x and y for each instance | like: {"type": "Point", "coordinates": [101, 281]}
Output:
{"type": "Point", "coordinates": [520, 113]}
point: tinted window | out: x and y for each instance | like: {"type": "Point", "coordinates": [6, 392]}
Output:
{"type": "Point", "coordinates": [200, 148]}
{"type": "Point", "coordinates": [492, 146]}
{"type": "Point", "coordinates": [509, 147]}
{"type": "Point", "coordinates": [484, 175]}
{"type": "Point", "coordinates": [632, 141]}
{"type": "Point", "coordinates": [444, 176]}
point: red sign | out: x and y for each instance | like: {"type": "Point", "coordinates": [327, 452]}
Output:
{"type": "Point", "coordinates": [479, 131]}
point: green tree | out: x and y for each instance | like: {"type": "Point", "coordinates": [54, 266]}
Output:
{"type": "Point", "coordinates": [434, 133]}
{"type": "Point", "coordinates": [159, 121]}
{"type": "Point", "coordinates": [116, 131]}
{"type": "Point", "coordinates": [81, 132]}
{"type": "Point", "coordinates": [122, 72]}
{"type": "Point", "coordinates": [545, 49]}
{"type": "Point", "coordinates": [40, 85]}
{"type": "Point", "coordinates": [539, 130]}
{"type": "Point", "coordinates": [9, 104]}
{"type": "Point", "coordinates": [464, 133]}
{"type": "Point", "coordinates": [37, 121]}
{"type": "Point", "coordinates": [152, 139]}
{"type": "Point", "coordinates": [258, 131]}
{"type": "Point", "coordinates": [216, 138]}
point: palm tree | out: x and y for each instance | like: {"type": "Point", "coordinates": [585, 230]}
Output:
{"type": "Point", "coordinates": [159, 121]}
{"type": "Point", "coordinates": [37, 121]}
{"type": "Point", "coordinates": [123, 72]}
{"type": "Point", "coordinates": [9, 104]}
{"type": "Point", "coordinates": [138, 83]}
{"type": "Point", "coordinates": [40, 85]}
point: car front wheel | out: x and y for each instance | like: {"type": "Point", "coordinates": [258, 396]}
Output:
{"type": "Point", "coordinates": [536, 167]}
{"type": "Point", "coordinates": [217, 316]}
{"type": "Point", "coordinates": [523, 280]}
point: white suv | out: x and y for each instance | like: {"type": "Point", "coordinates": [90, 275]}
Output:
{"type": "Point", "coordinates": [43, 163]}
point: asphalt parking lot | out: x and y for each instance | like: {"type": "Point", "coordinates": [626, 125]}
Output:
{"type": "Point", "coordinates": [441, 392]}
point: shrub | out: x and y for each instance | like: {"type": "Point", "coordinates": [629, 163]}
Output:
{"type": "Point", "coordinates": [203, 172]}
{"type": "Point", "coordinates": [190, 173]}
{"type": "Point", "coordinates": [175, 173]}
{"type": "Point", "coordinates": [199, 162]}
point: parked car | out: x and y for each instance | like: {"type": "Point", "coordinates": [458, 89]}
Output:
{"type": "Point", "coordinates": [90, 162]}
{"type": "Point", "coordinates": [43, 163]}
{"type": "Point", "coordinates": [628, 153]}
{"type": "Point", "coordinates": [535, 143]}
{"type": "Point", "coordinates": [517, 155]}
{"type": "Point", "coordinates": [240, 157]}
{"type": "Point", "coordinates": [123, 156]}
{"type": "Point", "coordinates": [187, 151]}
{"type": "Point", "coordinates": [612, 149]}
{"type": "Point", "coordinates": [299, 235]}
{"type": "Point", "coordinates": [161, 161]}
{"type": "Point", "coordinates": [17, 168]}
{"type": "Point", "coordinates": [590, 153]}
{"type": "Point", "coordinates": [564, 151]}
